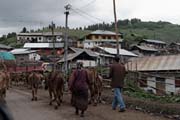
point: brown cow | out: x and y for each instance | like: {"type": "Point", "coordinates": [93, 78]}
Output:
{"type": "Point", "coordinates": [8, 79]}
{"type": "Point", "coordinates": [96, 86]}
{"type": "Point", "coordinates": [15, 78]}
{"type": "Point", "coordinates": [35, 79]}
{"type": "Point", "coordinates": [2, 85]}
{"type": "Point", "coordinates": [55, 83]}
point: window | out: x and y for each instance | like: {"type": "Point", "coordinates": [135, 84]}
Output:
{"type": "Point", "coordinates": [39, 38]}
{"type": "Point", "coordinates": [96, 36]}
{"type": "Point", "coordinates": [177, 82]}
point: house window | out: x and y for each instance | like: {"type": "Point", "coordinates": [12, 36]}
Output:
{"type": "Point", "coordinates": [177, 82]}
{"type": "Point", "coordinates": [39, 38]}
{"type": "Point", "coordinates": [143, 81]}
{"type": "Point", "coordinates": [96, 36]}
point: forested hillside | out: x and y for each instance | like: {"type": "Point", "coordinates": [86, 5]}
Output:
{"type": "Point", "coordinates": [135, 29]}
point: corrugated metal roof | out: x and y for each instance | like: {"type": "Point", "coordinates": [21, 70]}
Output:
{"type": "Point", "coordinates": [40, 34]}
{"type": "Point", "coordinates": [22, 51]}
{"type": "Point", "coordinates": [155, 63]}
{"type": "Point", "coordinates": [74, 55]}
{"type": "Point", "coordinates": [89, 52]}
{"type": "Point", "coordinates": [105, 55]}
{"type": "Point", "coordinates": [103, 32]}
{"type": "Point", "coordinates": [113, 51]}
{"type": "Point", "coordinates": [154, 41]}
{"type": "Point", "coordinates": [145, 48]}
{"type": "Point", "coordinates": [43, 45]}
{"type": "Point", "coordinates": [5, 46]}
{"type": "Point", "coordinates": [175, 43]}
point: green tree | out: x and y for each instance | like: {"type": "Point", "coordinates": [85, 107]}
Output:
{"type": "Point", "coordinates": [24, 30]}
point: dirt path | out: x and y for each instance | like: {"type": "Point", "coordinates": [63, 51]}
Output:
{"type": "Point", "coordinates": [22, 108]}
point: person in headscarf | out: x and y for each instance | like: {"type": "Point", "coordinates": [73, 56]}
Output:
{"type": "Point", "coordinates": [78, 84]}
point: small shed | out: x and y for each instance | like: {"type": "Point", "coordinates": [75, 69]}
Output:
{"type": "Point", "coordinates": [143, 50]}
{"type": "Point", "coordinates": [88, 57]}
{"type": "Point", "coordinates": [161, 74]}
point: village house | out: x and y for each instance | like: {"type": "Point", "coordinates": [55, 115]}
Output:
{"type": "Point", "coordinates": [5, 47]}
{"type": "Point", "coordinates": [99, 38]}
{"type": "Point", "coordinates": [160, 74]}
{"type": "Point", "coordinates": [24, 55]}
{"type": "Point", "coordinates": [143, 50]}
{"type": "Point", "coordinates": [87, 57]}
{"type": "Point", "coordinates": [174, 48]}
{"type": "Point", "coordinates": [45, 49]}
{"type": "Point", "coordinates": [157, 44]}
{"type": "Point", "coordinates": [43, 37]}
{"type": "Point", "coordinates": [43, 42]}
{"type": "Point", "coordinates": [148, 47]}
{"type": "Point", "coordinates": [107, 54]}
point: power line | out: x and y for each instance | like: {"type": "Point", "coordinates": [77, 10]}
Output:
{"type": "Point", "coordinates": [93, 1]}
{"type": "Point", "coordinates": [84, 16]}
{"type": "Point", "coordinates": [90, 15]}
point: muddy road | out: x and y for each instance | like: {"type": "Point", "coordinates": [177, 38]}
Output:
{"type": "Point", "coordinates": [22, 108]}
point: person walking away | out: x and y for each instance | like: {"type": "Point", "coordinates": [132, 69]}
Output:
{"type": "Point", "coordinates": [117, 75]}
{"type": "Point", "coordinates": [78, 84]}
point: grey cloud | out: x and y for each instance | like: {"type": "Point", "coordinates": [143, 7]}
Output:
{"type": "Point", "coordinates": [20, 13]}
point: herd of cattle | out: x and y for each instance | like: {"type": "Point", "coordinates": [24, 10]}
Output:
{"type": "Point", "coordinates": [53, 81]}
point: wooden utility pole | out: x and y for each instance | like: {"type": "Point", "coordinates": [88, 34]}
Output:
{"type": "Point", "coordinates": [52, 27]}
{"type": "Point", "coordinates": [67, 7]}
{"type": "Point", "coordinates": [116, 29]}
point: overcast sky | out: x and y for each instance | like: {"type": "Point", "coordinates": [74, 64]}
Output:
{"type": "Point", "coordinates": [15, 14]}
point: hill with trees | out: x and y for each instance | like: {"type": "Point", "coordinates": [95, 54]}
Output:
{"type": "Point", "coordinates": [132, 30]}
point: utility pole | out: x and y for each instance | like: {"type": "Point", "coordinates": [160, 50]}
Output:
{"type": "Point", "coordinates": [67, 7]}
{"type": "Point", "coordinates": [52, 27]}
{"type": "Point", "coordinates": [116, 29]}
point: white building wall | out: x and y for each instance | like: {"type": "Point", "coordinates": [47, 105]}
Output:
{"type": "Point", "coordinates": [34, 55]}
{"type": "Point", "coordinates": [170, 85]}
{"type": "Point", "coordinates": [151, 82]}
{"type": "Point", "coordinates": [88, 63]}
{"type": "Point", "coordinates": [177, 91]}
{"type": "Point", "coordinates": [88, 44]}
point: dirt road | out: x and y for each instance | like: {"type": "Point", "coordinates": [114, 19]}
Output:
{"type": "Point", "coordinates": [22, 108]}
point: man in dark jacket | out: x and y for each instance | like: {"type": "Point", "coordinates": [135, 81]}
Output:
{"type": "Point", "coordinates": [117, 74]}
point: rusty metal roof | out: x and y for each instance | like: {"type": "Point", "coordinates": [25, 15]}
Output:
{"type": "Point", "coordinates": [155, 63]}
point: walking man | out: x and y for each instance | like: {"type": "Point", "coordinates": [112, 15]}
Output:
{"type": "Point", "coordinates": [117, 75]}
